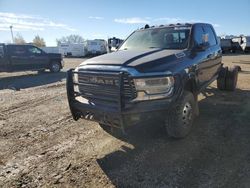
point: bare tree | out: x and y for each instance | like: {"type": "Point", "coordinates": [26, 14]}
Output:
{"type": "Point", "coordinates": [70, 39]}
{"type": "Point", "coordinates": [18, 39]}
{"type": "Point", "coordinates": [39, 41]}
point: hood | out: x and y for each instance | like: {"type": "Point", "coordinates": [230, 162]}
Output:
{"type": "Point", "coordinates": [136, 59]}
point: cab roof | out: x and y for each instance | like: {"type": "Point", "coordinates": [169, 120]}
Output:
{"type": "Point", "coordinates": [169, 25]}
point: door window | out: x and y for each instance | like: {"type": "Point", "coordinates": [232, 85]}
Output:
{"type": "Point", "coordinates": [198, 35]}
{"type": "Point", "coordinates": [211, 35]}
{"type": "Point", "coordinates": [34, 50]}
{"type": "Point", "coordinates": [18, 50]}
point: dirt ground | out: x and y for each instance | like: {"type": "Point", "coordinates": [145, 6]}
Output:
{"type": "Point", "coordinates": [41, 146]}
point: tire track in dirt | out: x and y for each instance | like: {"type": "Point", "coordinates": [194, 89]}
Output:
{"type": "Point", "coordinates": [26, 105]}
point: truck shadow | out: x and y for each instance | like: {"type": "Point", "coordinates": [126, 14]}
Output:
{"type": "Point", "coordinates": [30, 80]}
{"type": "Point", "coordinates": [220, 135]}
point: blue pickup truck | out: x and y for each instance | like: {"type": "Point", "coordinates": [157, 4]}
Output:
{"type": "Point", "coordinates": [157, 73]}
{"type": "Point", "coordinates": [27, 57]}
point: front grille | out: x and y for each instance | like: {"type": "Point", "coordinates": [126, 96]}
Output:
{"type": "Point", "coordinates": [110, 90]}
{"type": "Point", "coordinates": [129, 91]}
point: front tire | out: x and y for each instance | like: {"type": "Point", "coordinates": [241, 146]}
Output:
{"type": "Point", "coordinates": [180, 118]}
{"type": "Point", "coordinates": [55, 67]}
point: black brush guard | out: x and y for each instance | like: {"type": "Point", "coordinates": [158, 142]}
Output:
{"type": "Point", "coordinates": [112, 102]}
{"type": "Point", "coordinates": [103, 102]}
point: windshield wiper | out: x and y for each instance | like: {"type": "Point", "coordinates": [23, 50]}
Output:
{"type": "Point", "coordinates": [153, 47]}
{"type": "Point", "coordinates": [123, 49]}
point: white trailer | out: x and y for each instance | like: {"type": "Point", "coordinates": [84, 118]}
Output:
{"type": "Point", "coordinates": [50, 49]}
{"type": "Point", "coordinates": [245, 43]}
{"type": "Point", "coordinates": [72, 49]}
{"type": "Point", "coordinates": [95, 47]}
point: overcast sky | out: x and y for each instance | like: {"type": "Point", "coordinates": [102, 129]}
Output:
{"type": "Point", "coordinates": [92, 19]}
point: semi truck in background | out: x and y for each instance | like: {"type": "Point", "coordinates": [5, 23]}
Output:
{"type": "Point", "coordinates": [235, 44]}
{"type": "Point", "coordinates": [114, 43]}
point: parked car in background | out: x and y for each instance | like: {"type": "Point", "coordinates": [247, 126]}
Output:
{"type": "Point", "coordinates": [28, 57]}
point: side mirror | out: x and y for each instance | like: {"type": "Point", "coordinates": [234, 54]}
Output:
{"type": "Point", "coordinates": [201, 47]}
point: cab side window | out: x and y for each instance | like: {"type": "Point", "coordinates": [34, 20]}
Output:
{"type": "Point", "coordinates": [198, 35]}
{"type": "Point", "coordinates": [34, 50]}
{"type": "Point", "coordinates": [1, 51]}
{"type": "Point", "coordinates": [211, 35]}
{"type": "Point", "coordinates": [18, 50]}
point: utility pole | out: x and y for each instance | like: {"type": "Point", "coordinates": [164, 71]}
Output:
{"type": "Point", "coordinates": [12, 33]}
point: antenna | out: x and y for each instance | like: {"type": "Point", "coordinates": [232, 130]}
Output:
{"type": "Point", "coordinates": [12, 33]}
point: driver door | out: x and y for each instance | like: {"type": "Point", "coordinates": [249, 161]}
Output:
{"type": "Point", "coordinates": [38, 59]}
{"type": "Point", "coordinates": [201, 56]}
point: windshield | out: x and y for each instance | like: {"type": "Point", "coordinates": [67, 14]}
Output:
{"type": "Point", "coordinates": [166, 38]}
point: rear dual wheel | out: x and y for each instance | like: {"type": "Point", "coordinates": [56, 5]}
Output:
{"type": "Point", "coordinates": [231, 79]}
{"type": "Point", "coordinates": [221, 80]}
{"type": "Point", "coordinates": [227, 79]}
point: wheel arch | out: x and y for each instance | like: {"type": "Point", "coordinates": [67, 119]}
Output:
{"type": "Point", "coordinates": [55, 61]}
{"type": "Point", "coordinates": [190, 85]}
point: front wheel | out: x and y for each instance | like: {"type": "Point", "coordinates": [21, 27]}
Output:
{"type": "Point", "coordinates": [180, 118]}
{"type": "Point", "coordinates": [55, 67]}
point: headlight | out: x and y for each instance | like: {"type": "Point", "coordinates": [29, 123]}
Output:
{"type": "Point", "coordinates": [75, 75]}
{"type": "Point", "coordinates": [75, 80]}
{"type": "Point", "coordinates": [154, 88]}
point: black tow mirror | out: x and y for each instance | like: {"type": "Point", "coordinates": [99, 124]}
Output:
{"type": "Point", "coordinates": [201, 47]}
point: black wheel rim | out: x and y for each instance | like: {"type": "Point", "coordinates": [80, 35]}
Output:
{"type": "Point", "coordinates": [187, 114]}
{"type": "Point", "coordinates": [55, 67]}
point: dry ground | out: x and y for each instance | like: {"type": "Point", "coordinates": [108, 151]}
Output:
{"type": "Point", "coordinates": [41, 146]}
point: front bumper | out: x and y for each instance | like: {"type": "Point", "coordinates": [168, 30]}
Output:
{"type": "Point", "coordinates": [122, 117]}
